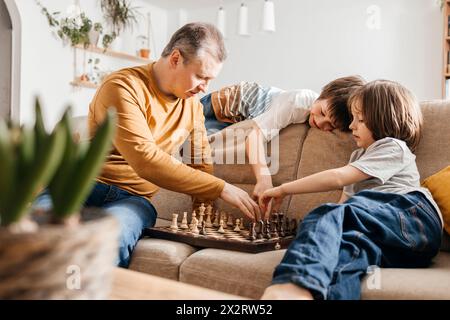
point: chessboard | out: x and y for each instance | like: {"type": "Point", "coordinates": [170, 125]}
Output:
{"type": "Point", "coordinates": [228, 233]}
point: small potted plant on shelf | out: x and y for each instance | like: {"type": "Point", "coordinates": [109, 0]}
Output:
{"type": "Point", "coordinates": [143, 47]}
{"type": "Point", "coordinates": [94, 34]}
{"type": "Point", "coordinates": [64, 253]}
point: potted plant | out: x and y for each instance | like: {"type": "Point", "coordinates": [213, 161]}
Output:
{"type": "Point", "coordinates": [143, 47]}
{"type": "Point", "coordinates": [119, 14]}
{"type": "Point", "coordinates": [65, 253]}
{"type": "Point", "coordinates": [94, 34]}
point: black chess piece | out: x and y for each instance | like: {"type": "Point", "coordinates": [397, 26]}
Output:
{"type": "Point", "coordinates": [293, 226]}
{"type": "Point", "coordinates": [281, 228]}
{"type": "Point", "coordinates": [260, 229]}
{"type": "Point", "coordinates": [203, 228]}
{"type": "Point", "coordinates": [287, 227]}
{"type": "Point", "coordinates": [267, 229]}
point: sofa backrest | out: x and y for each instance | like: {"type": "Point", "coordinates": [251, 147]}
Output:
{"type": "Point", "coordinates": [304, 151]}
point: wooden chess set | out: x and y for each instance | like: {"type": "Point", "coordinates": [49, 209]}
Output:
{"type": "Point", "coordinates": [225, 232]}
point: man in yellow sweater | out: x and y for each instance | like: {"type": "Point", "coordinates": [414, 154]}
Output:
{"type": "Point", "coordinates": [157, 110]}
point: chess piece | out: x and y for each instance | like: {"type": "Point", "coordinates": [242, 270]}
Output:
{"type": "Point", "coordinates": [252, 234]}
{"type": "Point", "coordinates": [293, 226]}
{"type": "Point", "coordinates": [201, 210]}
{"type": "Point", "coordinates": [184, 224]}
{"type": "Point", "coordinates": [208, 216]}
{"type": "Point", "coordinates": [230, 220]}
{"type": "Point", "coordinates": [267, 229]}
{"type": "Point", "coordinates": [216, 219]}
{"type": "Point", "coordinates": [201, 214]}
{"type": "Point", "coordinates": [224, 218]}
{"type": "Point", "coordinates": [220, 230]}
{"type": "Point", "coordinates": [194, 228]}
{"type": "Point", "coordinates": [236, 228]}
{"type": "Point", "coordinates": [174, 225]}
{"type": "Point", "coordinates": [203, 228]}
{"type": "Point", "coordinates": [242, 224]}
{"type": "Point", "coordinates": [194, 217]}
{"type": "Point", "coordinates": [281, 225]}
{"type": "Point", "coordinates": [260, 230]}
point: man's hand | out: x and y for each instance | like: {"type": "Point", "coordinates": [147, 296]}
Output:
{"type": "Point", "coordinates": [240, 199]}
{"type": "Point", "coordinates": [276, 194]}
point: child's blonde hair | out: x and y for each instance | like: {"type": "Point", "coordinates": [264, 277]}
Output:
{"type": "Point", "coordinates": [389, 110]}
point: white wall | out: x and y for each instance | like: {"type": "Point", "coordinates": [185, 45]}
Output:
{"type": "Point", "coordinates": [317, 41]}
{"type": "Point", "coordinates": [5, 61]}
{"type": "Point", "coordinates": [47, 66]}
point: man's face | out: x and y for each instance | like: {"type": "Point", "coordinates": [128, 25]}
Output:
{"type": "Point", "coordinates": [320, 116]}
{"type": "Point", "coordinates": [194, 77]}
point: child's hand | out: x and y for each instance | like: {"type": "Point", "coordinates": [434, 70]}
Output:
{"type": "Point", "coordinates": [276, 194]}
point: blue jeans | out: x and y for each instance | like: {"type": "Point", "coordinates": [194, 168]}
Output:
{"type": "Point", "coordinates": [336, 243]}
{"type": "Point", "coordinates": [211, 123]}
{"type": "Point", "coordinates": [133, 212]}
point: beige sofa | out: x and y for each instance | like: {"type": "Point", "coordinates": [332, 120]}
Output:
{"type": "Point", "coordinates": [303, 151]}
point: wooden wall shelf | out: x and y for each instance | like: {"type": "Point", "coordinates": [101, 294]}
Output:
{"type": "Point", "coordinates": [83, 84]}
{"type": "Point", "coordinates": [114, 54]}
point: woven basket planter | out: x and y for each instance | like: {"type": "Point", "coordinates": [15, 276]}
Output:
{"type": "Point", "coordinates": [60, 262]}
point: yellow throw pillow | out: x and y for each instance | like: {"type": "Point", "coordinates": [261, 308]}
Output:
{"type": "Point", "coordinates": [439, 186]}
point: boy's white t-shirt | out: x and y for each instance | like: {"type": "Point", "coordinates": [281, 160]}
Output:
{"type": "Point", "coordinates": [392, 167]}
{"type": "Point", "coordinates": [287, 107]}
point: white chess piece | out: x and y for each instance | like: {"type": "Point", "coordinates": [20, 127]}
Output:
{"type": "Point", "coordinates": [224, 218]}
{"type": "Point", "coordinates": [174, 225]}
{"type": "Point", "coordinates": [230, 220]}
{"type": "Point", "coordinates": [208, 217]}
{"type": "Point", "coordinates": [184, 224]}
{"type": "Point", "coordinates": [220, 230]}
{"type": "Point", "coordinates": [195, 227]}
{"type": "Point", "coordinates": [236, 228]}
{"type": "Point", "coordinates": [216, 219]}
{"type": "Point", "coordinates": [193, 218]}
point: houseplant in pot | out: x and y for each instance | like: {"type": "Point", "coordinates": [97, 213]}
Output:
{"type": "Point", "coordinates": [65, 252]}
{"type": "Point", "coordinates": [120, 16]}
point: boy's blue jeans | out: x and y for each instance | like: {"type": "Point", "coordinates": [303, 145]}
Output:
{"type": "Point", "coordinates": [133, 212]}
{"type": "Point", "coordinates": [212, 125]}
{"type": "Point", "coordinates": [336, 243]}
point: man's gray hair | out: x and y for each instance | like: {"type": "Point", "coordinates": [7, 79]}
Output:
{"type": "Point", "coordinates": [195, 39]}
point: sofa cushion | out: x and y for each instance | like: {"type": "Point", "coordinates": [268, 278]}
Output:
{"type": "Point", "coordinates": [433, 152]}
{"type": "Point", "coordinates": [439, 186]}
{"type": "Point", "coordinates": [243, 274]}
{"type": "Point", "coordinates": [248, 275]}
{"type": "Point", "coordinates": [160, 257]}
{"type": "Point", "coordinates": [410, 284]}
{"type": "Point", "coordinates": [321, 151]}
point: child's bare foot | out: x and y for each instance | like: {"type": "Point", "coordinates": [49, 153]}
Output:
{"type": "Point", "coordinates": [286, 291]}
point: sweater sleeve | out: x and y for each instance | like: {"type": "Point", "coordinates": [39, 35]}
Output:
{"type": "Point", "coordinates": [200, 150]}
{"type": "Point", "coordinates": [135, 142]}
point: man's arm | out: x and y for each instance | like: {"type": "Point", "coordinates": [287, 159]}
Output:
{"type": "Point", "coordinates": [136, 144]}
